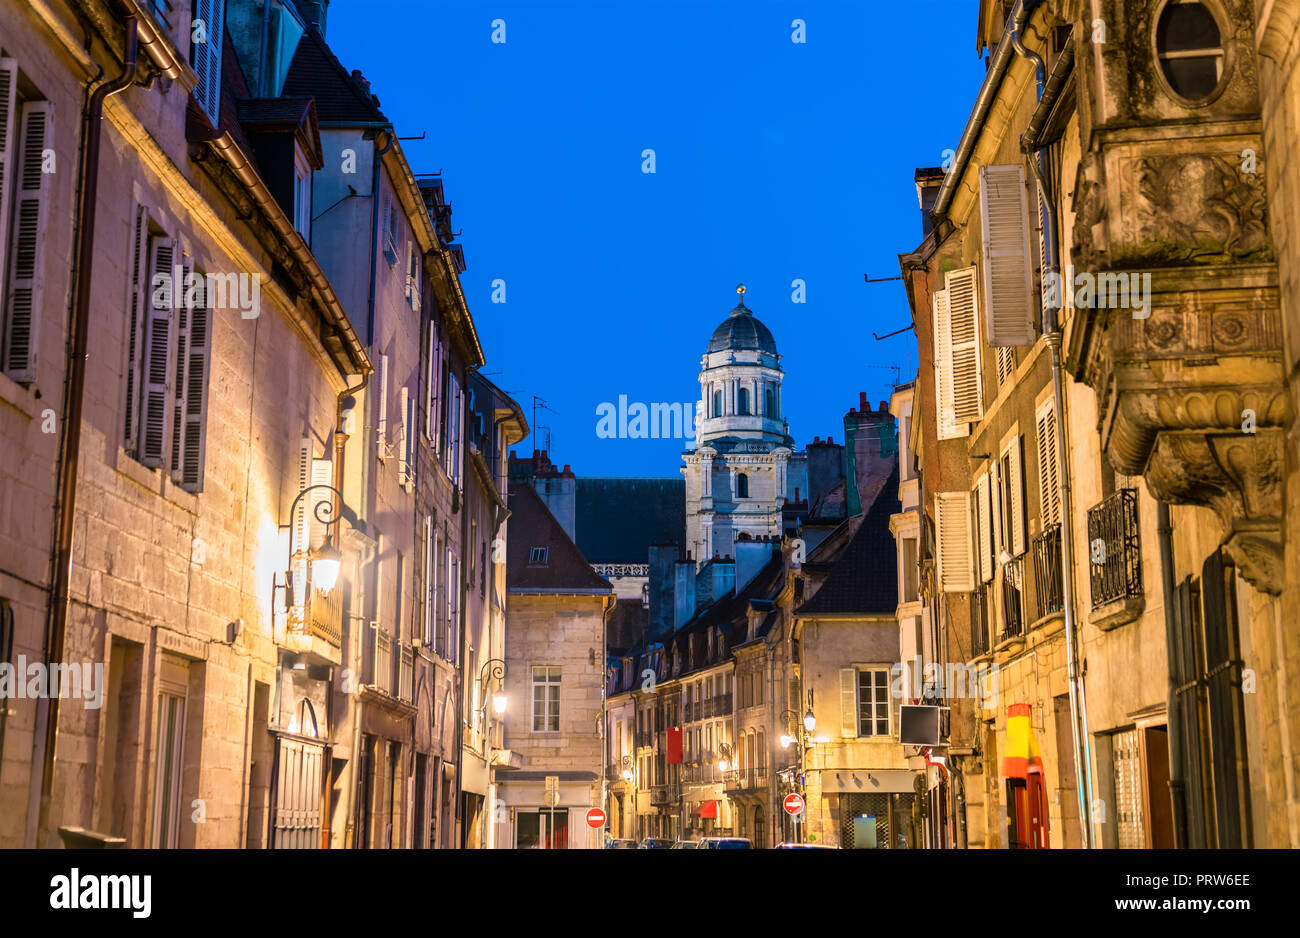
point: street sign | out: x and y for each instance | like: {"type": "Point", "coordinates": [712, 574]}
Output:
{"type": "Point", "coordinates": [595, 818]}
{"type": "Point", "coordinates": [793, 803]}
{"type": "Point", "coordinates": [552, 791]}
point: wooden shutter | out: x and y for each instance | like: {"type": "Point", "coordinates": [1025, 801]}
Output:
{"type": "Point", "coordinates": [322, 473]}
{"type": "Point", "coordinates": [984, 512]}
{"type": "Point", "coordinates": [1049, 493]}
{"type": "Point", "coordinates": [8, 149]}
{"type": "Point", "coordinates": [1008, 280]}
{"type": "Point", "coordinates": [27, 255]}
{"type": "Point", "coordinates": [381, 407]}
{"type": "Point", "coordinates": [206, 57]}
{"type": "Point", "coordinates": [300, 526]}
{"type": "Point", "coordinates": [964, 350]}
{"type": "Point", "coordinates": [1016, 488]}
{"type": "Point", "coordinates": [137, 302]}
{"type": "Point", "coordinates": [432, 376]}
{"type": "Point", "coordinates": [953, 542]}
{"type": "Point", "coordinates": [1006, 365]}
{"type": "Point", "coordinates": [181, 305]}
{"type": "Point", "coordinates": [430, 573]}
{"type": "Point", "coordinates": [405, 469]}
{"type": "Point", "coordinates": [947, 421]}
{"type": "Point", "coordinates": [849, 702]}
{"type": "Point", "coordinates": [193, 394]}
{"type": "Point", "coordinates": [156, 403]}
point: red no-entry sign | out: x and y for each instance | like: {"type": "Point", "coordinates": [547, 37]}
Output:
{"type": "Point", "coordinates": [595, 818]}
{"type": "Point", "coordinates": [793, 803]}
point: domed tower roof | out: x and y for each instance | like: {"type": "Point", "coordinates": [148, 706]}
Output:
{"type": "Point", "coordinates": [742, 330]}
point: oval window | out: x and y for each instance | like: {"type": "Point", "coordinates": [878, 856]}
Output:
{"type": "Point", "coordinates": [1190, 49]}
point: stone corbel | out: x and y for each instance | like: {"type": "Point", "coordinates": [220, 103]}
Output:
{"type": "Point", "coordinates": [1239, 477]}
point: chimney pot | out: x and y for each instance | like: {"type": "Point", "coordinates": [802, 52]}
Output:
{"type": "Point", "coordinates": [862, 401]}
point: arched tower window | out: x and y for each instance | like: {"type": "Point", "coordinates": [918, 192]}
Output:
{"type": "Point", "coordinates": [742, 406]}
{"type": "Point", "coordinates": [769, 403]}
{"type": "Point", "coordinates": [717, 403]}
{"type": "Point", "coordinates": [742, 486]}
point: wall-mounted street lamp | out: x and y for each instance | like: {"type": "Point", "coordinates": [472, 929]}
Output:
{"type": "Point", "coordinates": [627, 768]}
{"type": "Point", "coordinates": [325, 560]}
{"type": "Point", "coordinates": [497, 674]}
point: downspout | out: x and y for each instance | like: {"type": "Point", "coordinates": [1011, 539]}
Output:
{"type": "Point", "coordinates": [1177, 787]}
{"type": "Point", "coordinates": [1052, 335]}
{"type": "Point", "coordinates": [65, 511]}
{"type": "Point", "coordinates": [462, 588]}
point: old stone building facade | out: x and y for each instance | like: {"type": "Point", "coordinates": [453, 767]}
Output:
{"type": "Point", "coordinates": [1100, 438]}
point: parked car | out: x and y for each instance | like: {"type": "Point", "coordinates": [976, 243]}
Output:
{"type": "Point", "coordinates": [686, 845]}
{"type": "Point", "coordinates": [726, 843]}
{"type": "Point", "coordinates": [793, 846]}
{"type": "Point", "coordinates": [613, 844]}
{"type": "Point", "coordinates": [656, 843]}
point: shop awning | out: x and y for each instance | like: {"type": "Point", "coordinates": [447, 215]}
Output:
{"type": "Point", "coordinates": [708, 809]}
{"type": "Point", "coordinates": [1022, 755]}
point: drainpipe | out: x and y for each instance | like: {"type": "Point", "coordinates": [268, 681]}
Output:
{"type": "Point", "coordinates": [44, 739]}
{"type": "Point", "coordinates": [1052, 334]}
{"type": "Point", "coordinates": [1177, 787]}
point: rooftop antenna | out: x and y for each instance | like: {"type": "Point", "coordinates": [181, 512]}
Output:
{"type": "Point", "coordinates": [540, 402]}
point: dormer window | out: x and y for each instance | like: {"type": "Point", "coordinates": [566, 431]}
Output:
{"type": "Point", "coordinates": [1189, 47]}
{"type": "Point", "coordinates": [302, 195]}
{"type": "Point", "coordinates": [538, 556]}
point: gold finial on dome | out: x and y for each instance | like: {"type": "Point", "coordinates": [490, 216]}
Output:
{"type": "Point", "coordinates": [740, 288]}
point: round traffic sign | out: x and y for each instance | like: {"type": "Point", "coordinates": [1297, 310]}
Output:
{"type": "Point", "coordinates": [793, 803]}
{"type": "Point", "coordinates": [595, 818]}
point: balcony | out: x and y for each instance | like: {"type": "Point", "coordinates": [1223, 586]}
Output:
{"type": "Point", "coordinates": [659, 794]}
{"type": "Point", "coordinates": [1013, 601]}
{"type": "Point", "coordinates": [1047, 573]}
{"type": "Point", "coordinates": [1115, 553]}
{"type": "Point", "coordinates": [326, 616]}
{"type": "Point", "coordinates": [379, 670]}
{"type": "Point", "coordinates": [979, 621]}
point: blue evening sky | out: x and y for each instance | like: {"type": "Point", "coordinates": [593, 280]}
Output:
{"type": "Point", "coordinates": [775, 161]}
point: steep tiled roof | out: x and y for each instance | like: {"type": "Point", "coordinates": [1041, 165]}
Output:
{"type": "Point", "coordinates": [864, 578]}
{"type": "Point", "coordinates": [315, 72]}
{"type": "Point", "coordinates": [532, 525]}
{"type": "Point", "coordinates": [618, 519]}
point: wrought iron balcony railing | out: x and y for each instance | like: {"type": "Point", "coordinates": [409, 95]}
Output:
{"type": "Point", "coordinates": [1013, 600]}
{"type": "Point", "coordinates": [979, 621]}
{"type": "Point", "coordinates": [1047, 572]}
{"type": "Point", "coordinates": [1115, 549]}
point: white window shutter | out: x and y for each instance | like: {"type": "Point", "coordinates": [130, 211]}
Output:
{"type": "Point", "coordinates": [430, 566]}
{"type": "Point", "coordinates": [849, 703]}
{"type": "Point", "coordinates": [1008, 278]}
{"type": "Point", "coordinates": [430, 389]}
{"type": "Point", "coordinates": [1016, 458]}
{"type": "Point", "coordinates": [946, 418]}
{"type": "Point", "coordinates": [27, 242]}
{"type": "Point", "coordinates": [160, 339]}
{"type": "Point", "coordinates": [404, 437]}
{"type": "Point", "coordinates": [1048, 491]}
{"type": "Point", "coordinates": [1006, 365]}
{"type": "Point", "coordinates": [180, 302]}
{"type": "Point", "coordinates": [984, 510]}
{"type": "Point", "coordinates": [953, 542]}
{"type": "Point", "coordinates": [381, 406]}
{"type": "Point", "coordinates": [137, 303]}
{"type": "Point", "coordinates": [8, 149]}
{"type": "Point", "coordinates": [322, 473]}
{"type": "Point", "coordinates": [206, 56]}
{"type": "Point", "coordinates": [964, 336]}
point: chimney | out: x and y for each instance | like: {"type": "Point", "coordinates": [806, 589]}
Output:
{"type": "Point", "coordinates": [862, 401]}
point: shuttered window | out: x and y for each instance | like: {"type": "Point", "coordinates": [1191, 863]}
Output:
{"type": "Point", "coordinates": [947, 421]}
{"type": "Point", "coordinates": [873, 702]}
{"type": "Point", "coordinates": [1049, 493]}
{"type": "Point", "coordinates": [430, 581]}
{"type": "Point", "coordinates": [954, 543]}
{"type": "Point", "coordinates": [1011, 493]}
{"type": "Point", "coordinates": [8, 153]}
{"type": "Point", "coordinates": [27, 226]}
{"type": "Point", "coordinates": [1006, 366]}
{"type": "Point", "coordinates": [1008, 278]}
{"type": "Point", "coordinates": [433, 378]}
{"type": "Point", "coordinates": [405, 437]}
{"type": "Point", "coordinates": [155, 386]}
{"type": "Point", "coordinates": [455, 405]}
{"type": "Point", "coordinates": [984, 526]}
{"type": "Point", "coordinates": [967, 380]}
{"type": "Point", "coordinates": [381, 409]}
{"type": "Point", "coordinates": [453, 605]}
{"type": "Point", "coordinates": [206, 56]}
{"type": "Point", "coordinates": [413, 274]}
{"type": "Point", "coordinates": [137, 304]}
{"type": "Point", "coordinates": [848, 702]}
{"type": "Point", "coordinates": [189, 418]}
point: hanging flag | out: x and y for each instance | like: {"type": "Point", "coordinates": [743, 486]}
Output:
{"type": "Point", "coordinates": [1021, 754]}
{"type": "Point", "coordinates": [674, 745]}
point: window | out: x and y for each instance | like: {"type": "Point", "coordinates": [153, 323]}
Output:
{"type": "Point", "coordinates": [537, 556]}
{"type": "Point", "coordinates": [406, 440]}
{"type": "Point", "coordinates": [546, 700]}
{"type": "Point", "coordinates": [169, 752]}
{"type": "Point", "coordinates": [453, 605]}
{"type": "Point", "coordinates": [455, 405]}
{"type": "Point", "coordinates": [873, 702]}
{"type": "Point", "coordinates": [953, 542]}
{"type": "Point", "coordinates": [769, 403]}
{"type": "Point", "coordinates": [911, 571]}
{"type": "Point", "coordinates": [1008, 277]}
{"type": "Point", "coordinates": [433, 387]}
{"type": "Point", "coordinates": [959, 398]}
{"type": "Point", "coordinates": [301, 195]}
{"type": "Point", "coordinates": [1009, 512]}
{"type": "Point", "coordinates": [23, 210]}
{"type": "Point", "coordinates": [742, 405]}
{"type": "Point", "coordinates": [1049, 493]}
{"type": "Point", "coordinates": [1190, 49]}
{"type": "Point", "coordinates": [205, 55]}
{"type": "Point", "coordinates": [381, 407]}
{"type": "Point", "coordinates": [414, 274]}
{"type": "Point", "coordinates": [430, 581]}
{"type": "Point", "coordinates": [742, 486]}
{"type": "Point", "coordinates": [717, 403]}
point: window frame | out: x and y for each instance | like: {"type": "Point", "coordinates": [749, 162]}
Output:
{"type": "Point", "coordinates": [885, 700]}
{"type": "Point", "coordinates": [550, 701]}
{"type": "Point", "coordinates": [1223, 50]}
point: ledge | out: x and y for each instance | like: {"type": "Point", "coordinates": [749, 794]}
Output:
{"type": "Point", "coordinates": [1117, 612]}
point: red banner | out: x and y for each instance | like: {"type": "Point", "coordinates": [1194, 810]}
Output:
{"type": "Point", "coordinates": [674, 745]}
